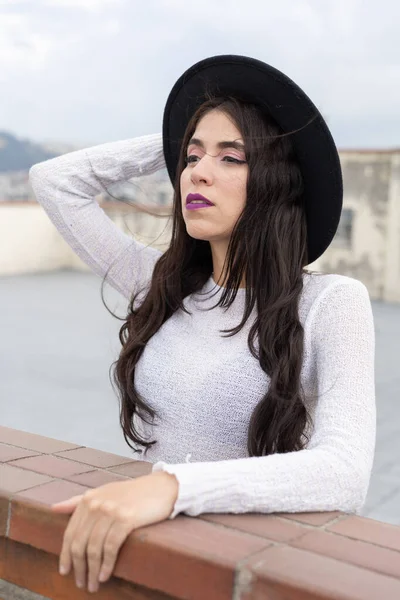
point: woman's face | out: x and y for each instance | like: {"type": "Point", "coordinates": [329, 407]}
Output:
{"type": "Point", "coordinates": [216, 168]}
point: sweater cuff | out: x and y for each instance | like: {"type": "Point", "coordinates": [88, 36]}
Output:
{"type": "Point", "coordinates": [204, 487]}
{"type": "Point", "coordinates": [162, 466]}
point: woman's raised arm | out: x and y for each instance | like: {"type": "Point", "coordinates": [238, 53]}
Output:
{"type": "Point", "coordinates": [66, 187]}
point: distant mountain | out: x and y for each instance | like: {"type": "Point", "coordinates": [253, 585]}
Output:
{"type": "Point", "coordinates": [18, 154]}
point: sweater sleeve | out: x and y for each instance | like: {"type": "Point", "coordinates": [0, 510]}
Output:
{"type": "Point", "coordinates": [333, 471]}
{"type": "Point", "coordinates": [66, 187]}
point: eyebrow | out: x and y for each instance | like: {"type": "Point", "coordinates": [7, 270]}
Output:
{"type": "Point", "coordinates": [233, 144]}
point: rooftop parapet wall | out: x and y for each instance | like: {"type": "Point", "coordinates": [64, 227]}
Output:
{"type": "Point", "coordinates": [214, 557]}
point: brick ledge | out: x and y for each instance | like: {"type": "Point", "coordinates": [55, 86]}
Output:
{"type": "Point", "coordinates": [215, 557]}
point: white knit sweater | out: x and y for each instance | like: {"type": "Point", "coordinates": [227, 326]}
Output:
{"type": "Point", "coordinates": [204, 386]}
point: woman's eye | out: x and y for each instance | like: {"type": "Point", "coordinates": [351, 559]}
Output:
{"type": "Point", "coordinates": [188, 158]}
{"type": "Point", "coordinates": [234, 160]}
{"type": "Point", "coordinates": [228, 159]}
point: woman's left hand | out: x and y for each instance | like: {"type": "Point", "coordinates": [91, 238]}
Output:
{"type": "Point", "coordinates": [104, 517]}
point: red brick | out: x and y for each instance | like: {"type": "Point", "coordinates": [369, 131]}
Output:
{"type": "Point", "coordinates": [96, 458]}
{"type": "Point", "coordinates": [55, 491]}
{"type": "Point", "coordinates": [186, 558]}
{"type": "Point", "coordinates": [37, 571]}
{"type": "Point", "coordinates": [318, 519]}
{"type": "Point", "coordinates": [369, 530]}
{"type": "Point", "coordinates": [133, 469]}
{"type": "Point", "coordinates": [292, 574]}
{"type": "Point", "coordinates": [267, 526]}
{"type": "Point", "coordinates": [373, 558]}
{"type": "Point", "coordinates": [31, 441]}
{"type": "Point", "coordinates": [35, 525]}
{"type": "Point", "coordinates": [8, 452]}
{"type": "Point", "coordinates": [52, 465]}
{"type": "Point", "coordinates": [14, 480]}
{"type": "Point", "coordinates": [96, 478]}
{"type": "Point", "coordinates": [4, 504]}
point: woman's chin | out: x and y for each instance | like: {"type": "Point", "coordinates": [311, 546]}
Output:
{"type": "Point", "coordinates": [199, 233]}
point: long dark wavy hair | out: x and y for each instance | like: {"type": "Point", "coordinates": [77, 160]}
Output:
{"type": "Point", "coordinates": [268, 246]}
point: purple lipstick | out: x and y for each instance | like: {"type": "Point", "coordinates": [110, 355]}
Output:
{"type": "Point", "coordinates": [194, 201]}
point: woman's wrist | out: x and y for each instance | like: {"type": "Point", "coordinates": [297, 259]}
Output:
{"type": "Point", "coordinates": [171, 484]}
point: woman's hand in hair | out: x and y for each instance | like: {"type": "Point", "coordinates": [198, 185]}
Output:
{"type": "Point", "coordinates": [103, 518]}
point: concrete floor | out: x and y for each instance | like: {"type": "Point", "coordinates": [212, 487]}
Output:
{"type": "Point", "coordinates": [58, 342]}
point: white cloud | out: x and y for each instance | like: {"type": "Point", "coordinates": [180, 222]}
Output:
{"type": "Point", "coordinates": [112, 27]}
{"type": "Point", "coordinates": [88, 5]}
{"type": "Point", "coordinates": [342, 15]}
{"type": "Point", "coordinates": [20, 47]}
{"type": "Point", "coordinates": [102, 69]}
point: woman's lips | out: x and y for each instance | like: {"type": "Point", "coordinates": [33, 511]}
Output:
{"type": "Point", "coordinates": [191, 197]}
{"type": "Point", "coordinates": [198, 205]}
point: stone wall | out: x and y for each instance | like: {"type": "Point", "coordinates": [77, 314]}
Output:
{"type": "Point", "coordinates": [371, 252]}
{"type": "Point", "coordinates": [29, 242]}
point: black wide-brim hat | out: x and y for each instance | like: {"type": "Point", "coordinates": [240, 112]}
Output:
{"type": "Point", "coordinates": [254, 81]}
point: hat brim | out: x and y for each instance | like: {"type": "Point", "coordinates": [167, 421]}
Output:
{"type": "Point", "coordinates": [254, 81]}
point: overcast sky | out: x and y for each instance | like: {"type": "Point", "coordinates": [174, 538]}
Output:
{"type": "Point", "coordinates": [91, 71]}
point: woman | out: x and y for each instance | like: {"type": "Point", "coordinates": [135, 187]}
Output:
{"type": "Point", "coordinates": [278, 415]}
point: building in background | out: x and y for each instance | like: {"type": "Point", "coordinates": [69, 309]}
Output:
{"type": "Point", "coordinates": [14, 187]}
{"type": "Point", "coordinates": [366, 245]}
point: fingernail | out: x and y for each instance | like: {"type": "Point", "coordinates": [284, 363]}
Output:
{"type": "Point", "coordinates": [79, 583]}
{"type": "Point", "coordinates": [102, 576]}
{"type": "Point", "coordinates": [92, 587]}
{"type": "Point", "coordinates": [62, 570]}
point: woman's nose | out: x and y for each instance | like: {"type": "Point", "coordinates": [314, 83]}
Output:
{"type": "Point", "coordinates": [201, 172]}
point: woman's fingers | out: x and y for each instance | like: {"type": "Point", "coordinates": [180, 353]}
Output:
{"type": "Point", "coordinates": [85, 541]}
{"type": "Point", "coordinates": [91, 512]}
{"type": "Point", "coordinates": [95, 551]}
{"type": "Point", "coordinates": [69, 540]}
{"type": "Point", "coordinates": [76, 538]}
{"type": "Point", "coordinates": [116, 536]}
{"type": "Point", "coordinates": [78, 558]}
{"type": "Point", "coordinates": [104, 517]}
